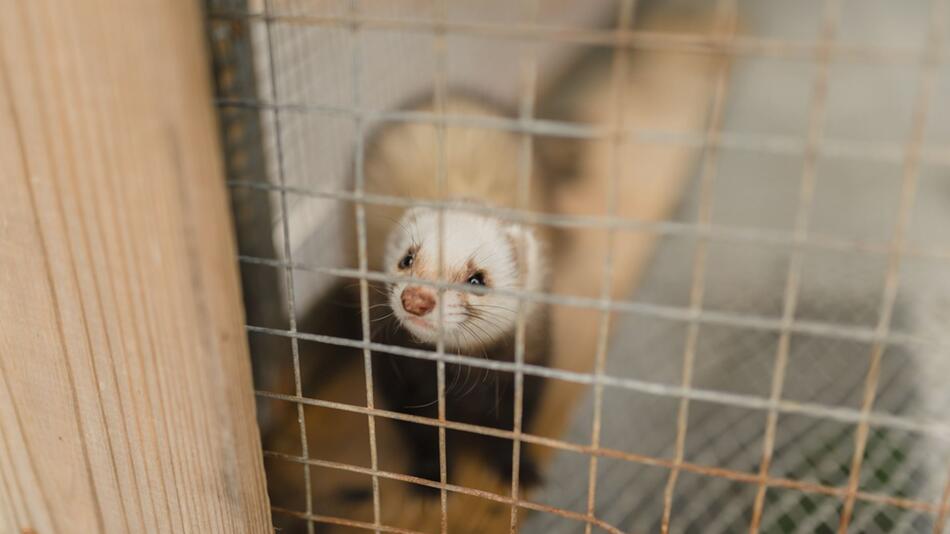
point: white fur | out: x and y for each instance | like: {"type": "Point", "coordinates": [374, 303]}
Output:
{"type": "Point", "coordinates": [493, 246]}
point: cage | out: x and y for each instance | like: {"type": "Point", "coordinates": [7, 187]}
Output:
{"type": "Point", "coordinates": [756, 338]}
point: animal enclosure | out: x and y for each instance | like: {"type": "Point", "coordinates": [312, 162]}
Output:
{"type": "Point", "coordinates": [756, 338]}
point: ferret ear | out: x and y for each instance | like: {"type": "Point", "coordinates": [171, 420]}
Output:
{"type": "Point", "coordinates": [527, 249]}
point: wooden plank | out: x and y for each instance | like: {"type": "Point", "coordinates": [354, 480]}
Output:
{"type": "Point", "coordinates": [125, 392]}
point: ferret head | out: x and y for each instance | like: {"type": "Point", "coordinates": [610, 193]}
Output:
{"type": "Point", "coordinates": [479, 252]}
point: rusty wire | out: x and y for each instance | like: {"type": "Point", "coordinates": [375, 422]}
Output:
{"type": "Point", "coordinates": [711, 471]}
{"type": "Point", "coordinates": [909, 178]}
{"type": "Point", "coordinates": [741, 45]}
{"type": "Point", "coordinates": [802, 220]}
{"type": "Point", "coordinates": [726, 22]}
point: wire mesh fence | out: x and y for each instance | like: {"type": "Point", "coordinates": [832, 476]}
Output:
{"type": "Point", "coordinates": [781, 367]}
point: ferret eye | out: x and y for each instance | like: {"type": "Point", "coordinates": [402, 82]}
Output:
{"type": "Point", "coordinates": [477, 279]}
{"type": "Point", "coordinates": [406, 261]}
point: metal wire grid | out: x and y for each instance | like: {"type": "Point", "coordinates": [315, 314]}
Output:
{"type": "Point", "coordinates": [800, 239]}
{"type": "Point", "coordinates": [806, 194]}
{"type": "Point", "coordinates": [526, 106]}
{"type": "Point", "coordinates": [618, 75]}
{"type": "Point", "coordinates": [926, 90]}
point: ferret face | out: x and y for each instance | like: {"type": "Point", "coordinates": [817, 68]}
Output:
{"type": "Point", "coordinates": [480, 252]}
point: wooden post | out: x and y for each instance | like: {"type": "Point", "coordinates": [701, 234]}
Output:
{"type": "Point", "coordinates": [126, 401]}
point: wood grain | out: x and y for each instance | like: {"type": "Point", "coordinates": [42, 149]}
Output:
{"type": "Point", "coordinates": [125, 394]}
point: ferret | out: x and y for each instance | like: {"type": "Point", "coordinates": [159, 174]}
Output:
{"type": "Point", "coordinates": [478, 251]}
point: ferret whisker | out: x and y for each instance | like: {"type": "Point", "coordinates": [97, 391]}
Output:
{"type": "Point", "coordinates": [488, 319]}
{"type": "Point", "coordinates": [394, 326]}
{"type": "Point", "coordinates": [494, 306]}
{"type": "Point", "coordinates": [477, 335]}
{"type": "Point", "coordinates": [487, 328]}
{"type": "Point", "coordinates": [474, 335]}
{"type": "Point", "coordinates": [493, 319]}
{"type": "Point", "coordinates": [458, 373]}
{"type": "Point", "coordinates": [497, 378]}
{"type": "Point", "coordinates": [383, 318]}
{"type": "Point", "coordinates": [476, 382]}
{"type": "Point", "coordinates": [502, 327]}
{"type": "Point", "coordinates": [397, 222]}
{"type": "Point", "coordinates": [482, 330]}
{"type": "Point", "coordinates": [468, 373]}
{"type": "Point", "coordinates": [485, 375]}
{"type": "Point", "coordinates": [423, 405]}
{"type": "Point", "coordinates": [471, 387]}
{"type": "Point", "coordinates": [484, 378]}
{"type": "Point", "coordinates": [491, 255]}
{"type": "Point", "coordinates": [475, 252]}
{"type": "Point", "coordinates": [459, 369]}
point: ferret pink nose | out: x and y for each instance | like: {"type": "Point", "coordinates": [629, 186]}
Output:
{"type": "Point", "coordinates": [418, 300]}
